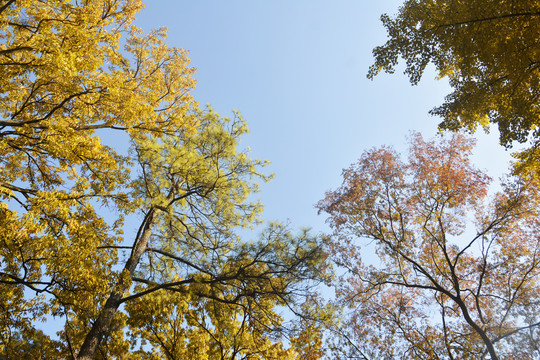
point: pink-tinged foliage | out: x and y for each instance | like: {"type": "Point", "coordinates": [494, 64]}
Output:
{"type": "Point", "coordinates": [440, 289]}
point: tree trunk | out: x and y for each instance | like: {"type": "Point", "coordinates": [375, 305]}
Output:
{"type": "Point", "coordinates": [478, 329]}
{"type": "Point", "coordinates": [106, 315]}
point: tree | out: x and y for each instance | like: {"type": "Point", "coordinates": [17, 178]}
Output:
{"type": "Point", "coordinates": [34, 345]}
{"type": "Point", "coordinates": [71, 104]}
{"type": "Point", "coordinates": [436, 289]}
{"type": "Point", "coordinates": [488, 50]}
{"type": "Point", "coordinates": [227, 320]}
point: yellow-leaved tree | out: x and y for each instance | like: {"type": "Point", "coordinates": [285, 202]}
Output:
{"type": "Point", "coordinates": [180, 280]}
{"type": "Point", "coordinates": [490, 53]}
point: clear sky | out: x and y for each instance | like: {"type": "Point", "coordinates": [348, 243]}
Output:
{"type": "Point", "coordinates": [296, 70]}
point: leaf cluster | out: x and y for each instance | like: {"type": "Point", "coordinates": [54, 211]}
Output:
{"type": "Point", "coordinates": [488, 51]}
{"type": "Point", "coordinates": [438, 289]}
{"type": "Point", "coordinates": [121, 199]}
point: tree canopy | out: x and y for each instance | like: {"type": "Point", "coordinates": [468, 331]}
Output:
{"type": "Point", "coordinates": [488, 50]}
{"type": "Point", "coordinates": [121, 200]}
{"type": "Point", "coordinates": [456, 273]}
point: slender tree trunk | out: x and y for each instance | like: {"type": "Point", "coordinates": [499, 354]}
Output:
{"type": "Point", "coordinates": [478, 329]}
{"type": "Point", "coordinates": [107, 313]}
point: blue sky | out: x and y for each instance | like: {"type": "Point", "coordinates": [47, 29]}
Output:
{"type": "Point", "coordinates": [296, 70]}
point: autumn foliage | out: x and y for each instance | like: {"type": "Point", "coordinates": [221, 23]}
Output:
{"type": "Point", "coordinates": [490, 55]}
{"type": "Point", "coordinates": [120, 200]}
{"type": "Point", "coordinates": [457, 271]}
{"type": "Point", "coordinates": [122, 203]}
